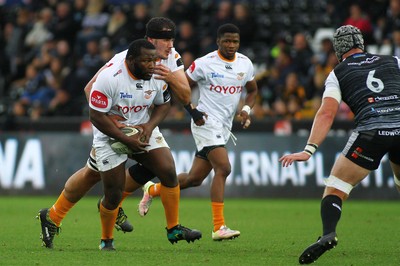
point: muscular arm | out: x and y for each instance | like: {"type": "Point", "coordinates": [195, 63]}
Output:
{"type": "Point", "coordinates": [158, 114]}
{"type": "Point", "coordinates": [252, 90]}
{"type": "Point", "coordinates": [323, 120]}
{"type": "Point", "coordinates": [198, 117]}
{"type": "Point", "coordinates": [114, 118]}
{"type": "Point", "coordinates": [176, 81]}
{"type": "Point", "coordinates": [180, 86]}
{"type": "Point", "coordinates": [320, 128]}
{"type": "Point", "coordinates": [101, 121]}
{"type": "Point", "coordinates": [89, 85]}
{"type": "Point", "coordinates": [105, 125]}
{"type": "Point", "coordinates": [190, 81]}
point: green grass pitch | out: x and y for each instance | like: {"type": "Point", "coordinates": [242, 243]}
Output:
{"type": "Point", "coordinates": [273, 232]}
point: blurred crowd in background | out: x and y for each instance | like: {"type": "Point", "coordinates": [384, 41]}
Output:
{"type": "Point", "coordinates": [51, 48]}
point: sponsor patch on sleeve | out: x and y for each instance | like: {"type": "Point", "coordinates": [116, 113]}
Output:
{"type": "Point", "coordinates": [167, 95]}
{"type": "Point", "coordinates": [98, 99]}
{"type": "Point", "coordinates": [179, 62]}
{"type": "Point", "coordinates": [192, 67]}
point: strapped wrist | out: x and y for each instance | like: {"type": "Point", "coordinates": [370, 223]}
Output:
{"type": "Point", "coordinates": [194, 113]}
{"type": "Point", "coordinates": [246, 109]}
{"type": "Point", "coordinates": [310, 148]}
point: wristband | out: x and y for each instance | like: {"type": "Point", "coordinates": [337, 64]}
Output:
{"type": "Point", "coordinates": [396, 181]}
{"type": "Point", "coordinates": [246, 109]}
{"type": "Point", "coordinates": [194, 113]}
{"type": "Point", "coordinates": [310, 148]}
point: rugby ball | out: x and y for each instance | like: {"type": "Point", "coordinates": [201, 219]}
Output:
{"type": "Point", "coordinates": [120, 147]}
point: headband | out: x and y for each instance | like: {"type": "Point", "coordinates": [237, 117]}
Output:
{"type": "Point", "coordinates": [164, 34]}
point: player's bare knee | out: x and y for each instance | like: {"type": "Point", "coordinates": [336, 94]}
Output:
{"type": "Point", "coordinates": [194, 181]}
{"type": "Point", "coordinates": [112, 200]}
{"type": "Point", "coordinates": [224, 170]}
{"type": "Point", "coordinates": [168, 179]}
{"type": "Point", "coordinates": [91, 176]}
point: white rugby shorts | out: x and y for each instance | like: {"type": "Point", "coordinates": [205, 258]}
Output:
{"type": "Point", "coordinates": [212, 133]}
{"type": "Point", "coordinates": [107, 159]}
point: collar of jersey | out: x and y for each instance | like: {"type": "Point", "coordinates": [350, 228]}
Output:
{"type": "Point", "coordinates": [225, 59]}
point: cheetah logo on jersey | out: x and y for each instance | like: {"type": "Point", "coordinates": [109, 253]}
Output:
{"type": "Point", "coordinates": [147, 94]}
{"type": "Point", "coordinates": [241, 75]}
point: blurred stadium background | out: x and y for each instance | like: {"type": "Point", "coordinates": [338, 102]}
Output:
{"type": "Point", "coordinates": [57, 46]}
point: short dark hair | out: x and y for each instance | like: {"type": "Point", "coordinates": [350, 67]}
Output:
{"type": "Point", "coordinates": [227, 28]}
{"type": "Point", "coordinates": [160, 24]}
{"type": "Point", "coordinates": [134, 49]}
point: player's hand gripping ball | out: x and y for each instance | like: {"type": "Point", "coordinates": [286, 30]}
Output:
{"type": "Point", "coordinates": [120, 147]}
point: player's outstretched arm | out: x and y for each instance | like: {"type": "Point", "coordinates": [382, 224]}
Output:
{"type": "Point", "coordinates": [105, 125]}
{"type": "Point", "coordinates": [288, 159]}
{"type": "Point", "coordinates": [320, 128]}
{"type": "Point", "coordinates": [157, 116]}
{"type": "Point", "coordinates": [252, 90]}
{"type": "Point", "coordinates": [198, 117]}
{"type": "Point", "coordinates": [176, 80]}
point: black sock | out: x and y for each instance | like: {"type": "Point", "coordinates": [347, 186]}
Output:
{"type": "Point", "coordinates": [331, 210]}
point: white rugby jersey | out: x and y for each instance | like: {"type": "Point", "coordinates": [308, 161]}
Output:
{"type": "Point", "coordinates": [173, 62]}
{"type": "Point", "coordinates": [117, 91]}
{"type": "Point", "coordinates": [221, 83]}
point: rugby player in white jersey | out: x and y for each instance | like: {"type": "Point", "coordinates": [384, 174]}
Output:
{"type": "Point", "coordinates": [161, 32]}
{"type": "Point", "coordinates": [128, 90]}
{"type": "Point", "coordinates": [221, 76]}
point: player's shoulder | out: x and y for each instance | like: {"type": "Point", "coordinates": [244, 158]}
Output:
{"type": "Point", "coordinates": [242, 57]}
{"type": "Point", "coordinates": [174, 54]}
{"type": "Point", "coordinates": [113, 67]}
{"type": "Point", "coordinates": [113, 71]}
{"type": "Point", "coordinates": [210, 57]}
{"type": "Point", "coordinates": [117, 58]}
{"type": "Point", "coordinates": [158, 83]}
{"type": "Point", "coordinates": [173, 61]}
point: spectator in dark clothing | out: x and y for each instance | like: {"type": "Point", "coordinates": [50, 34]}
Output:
{"type": "Point", "coordinates": [181, 10]}
{"type": "Point", "coordinates": [392, 20]}
{"type": "Point", "coordinates": [302, 59]}
{"type": "Point", "coordinates": [246, 24]}
{"type": "Point", "coordinates": [15, 34]}
{"type": "Point", "coordinates": [118, 29]}
{"type": "Point", "coordinates": [138, 20]}
{"type": "Point", "coordinates": [36, 95]}
{"type": "Point", "coordinates": [64, 27]}
{"type": "Point", "coordinates": [186, 40]}
{"type": "Point", "coordinates": [222, 15]}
